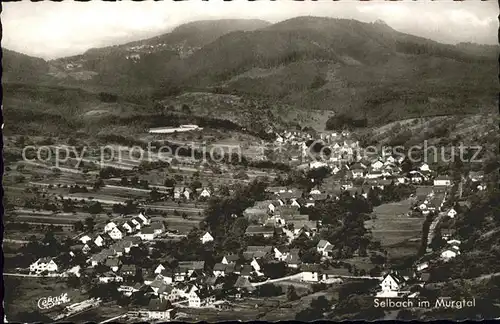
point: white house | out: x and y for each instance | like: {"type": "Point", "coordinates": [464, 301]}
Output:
{"type": "Point", "coordinates": [115, 233]}
{"type": "Point", "coordinates": [200, 298]}
{"type": "Point", "coordinates": [110, 277]}
{"type": "Point", "coordinates": [159, 269]}
{"type": "Point", "coordinates": [452, 213]}
{"type": "Point", "coordinates": [424, 167]}
{"type": "Point", "coordinates": [205, 193]}
{"type": "Point", "coordinates": [294, 203]}
{"type": "Point", "coordinates": [325, 248]}
{"type": "Point", "coordinates": [128, 227]}
{"type": "Point", "coordinates": [187, 193]}
{"type": "Point", "coordinates": [311, 272]}
{"type": "Point", "coordinates": [442, 181]}
{"type": "Point", "coordinates": [454, 242]}
{"type": "Point", "coordinates": [109, 226]}
{"type": "Point", "coordinates": [377, 165]}
{"type": "Point", "coordinates": [391, 285]}
{"type": "Point", "coordinates": [99, 240]}
{"type": "Point", "coordinates": [145, 220]}
{"type": "Point", "coordinates": [255, 265]}
{"type": "Point", "coordinates": [158, 310]}
{"type": "Point", "coordinates": [147, 234]}
{"type": "Point", "coordinates": [317, 165]}
{"type": "Point", "coordinates": [43, 264]}
{"type": "Point", "coordinates": [206, 238]}
{"type": "Point", "coordinates": [86, 249]}
{"type": "Point", "coordinates": [85, 239]}
{"type": "Point", "coordinates": [374, 174]}
{"type": "Point", "coordinates": [315, 191]}
{"type": "Point", "coordinates": [137, 222]}
{"type": "Point", "coordinates": [422, 266]}
{"type": "Point", "coordinates": [449, 254]}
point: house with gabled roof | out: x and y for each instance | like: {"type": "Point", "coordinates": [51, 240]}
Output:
{"type": "Point", "coordinates": [128, 270]}
{"type": "Point", "coordinates": [442, 181]}
{"type": "Point", "coordinates": [158, 227]}
{"type": "Point", "coordinates": [147, 234]}
{"type": "Point", "coordinates": [207, 237]}
{"type": "Point", "coordinates": [391, 285]}
{"type": "Point", "coordinates": [86, 248]}
{"type": "Point", "coordinates": [293, 259]}
{"type": "Point", "coordinates": [115, 233]}
{"type": "Point", "coordinates": [159, 310]}
{"type": "Point", "coordinates": [205, 193]}
{"type": "Point", "coordinates": [185, 269]}
{"type": "Point", "coordinates": [201, 298]}
{"type": "Point", "coordinates": [325, 248]}
{"type": "Point", "coordinates": [254, 230]}
{"type": "Point", "coordinates": [113, 264]}
{"type": "Point", "coordinates": [99, 240]}
{"type": "Point", "coordinates": [85, 239]}
{"type": "Point", "coordinates": [109, 226]}
{"type": "Point", "coordinates": [44, 264]}
{"type": "Point", "coordinates": [303, 226]}
{"type": "Point", "coordinates": [110, 277]}
{"type": "Point", "coordinates": [311, 272]}
{"type": "Point", "coordinates": [243, 286]}
{"type": "Point", "coordinates": [166, 275]}
{"type": "Point", "coordinates": [129, 227]}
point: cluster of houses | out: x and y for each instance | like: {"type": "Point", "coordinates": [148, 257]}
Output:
{"type": "Point", "coordinates": [282, 215]}
{"type": "Point", "coordinates": [432, 202]}
{"type": "Point", "coordinates": [186, 193]}
{"type": "Point", "coordinates": [398, 283]}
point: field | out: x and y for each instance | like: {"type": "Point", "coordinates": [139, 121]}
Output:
{"type": "Point", "coordinates": [25, 292]}
{"type": "Point", "coordinates": [265, 309]}
{"type": "Point", "coordinates": [392, 227]}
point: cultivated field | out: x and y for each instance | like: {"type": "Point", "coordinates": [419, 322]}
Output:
{"type": "Point", "coordinates": [392, 226]}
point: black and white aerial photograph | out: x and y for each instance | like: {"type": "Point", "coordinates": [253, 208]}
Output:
{"type": "Point", "coordinates": [210, 161]}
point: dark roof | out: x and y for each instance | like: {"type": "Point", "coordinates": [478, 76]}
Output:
{"type": "Point", "coordinates": [275, 189]}
{"type": "Point", "coordinates": [243, 282]}
{"type": "Point", "coordinates": [310, 267]}
{"type": "Point", "coordinates": [232, 257]}
{"type": "Point", "coordinates": [257, 229]}
{"type": "Point", "coordinates": [112, 262]}
{"type": "Point", "coordinates": [158, 305]}
{"type": "Point", "coordinates": [220, 267]}
{"type": "Point", "coordinates": [128, 267]}
{"type": "Point", "coordinates": [147, 230]}
{"type": "Point", "coordinates": [191, 265]}
{"type": "Point", "coordinates": [246, 270]}
{"type": "Point", "coordinates": [320, 197]}
{"type": "Point", "coordinates": [157, 225]}
{"type": "Point", "coordinates": [260, 248]}
{"type": "Point", "coordinates": [336, 271]}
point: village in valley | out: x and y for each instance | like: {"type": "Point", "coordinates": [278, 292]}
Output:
{"type": "Point", "coordinates": [173, 161]}
{"type": "Point", "coordinates": [179, 240]}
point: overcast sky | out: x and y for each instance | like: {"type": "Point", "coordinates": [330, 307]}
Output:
{"type": "Point", "coordinates": [50, 30]}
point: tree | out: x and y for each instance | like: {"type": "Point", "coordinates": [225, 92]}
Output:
{"type": "Point", "coordinates": [89, 224]}
{"type": "Point", "coordinates": [320, 304]}
{"type": "Point", "coordinates": [291, 294]}
{"type": "Point", "coordinates": [95, 208]}
{"type": "Point", "coordinates": [274, 269]}
{"type": "Point", "coordinates": [78, 227]}
{"type": "Point", "coordinates": [185, 109]}
{"type": "Point", "coordinates": [268, 290]}
{"type": "Point", "coordinates": [98, 184]}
